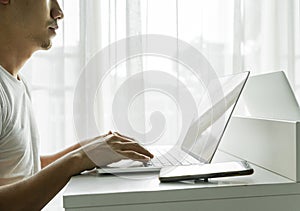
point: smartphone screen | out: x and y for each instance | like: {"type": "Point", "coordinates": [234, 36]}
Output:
{"type": "Point", "coordinates": [204, 171]}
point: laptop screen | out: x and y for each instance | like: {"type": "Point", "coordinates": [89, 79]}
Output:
{"type": "Point", "coordinates": [206, 130]}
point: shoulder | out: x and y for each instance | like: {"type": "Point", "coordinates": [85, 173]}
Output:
{"type": "Point", "coordinates": [5, 98]}
{"type": "Point", "coordinates": [26, 85]}
{"type": "Point", "coordinates": [3, 95]}
{"type": "Point", "coordinates": [3, 106]}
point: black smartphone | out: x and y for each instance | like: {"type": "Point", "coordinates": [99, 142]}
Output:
{"type": "Point", "coordinates": [205, 171]}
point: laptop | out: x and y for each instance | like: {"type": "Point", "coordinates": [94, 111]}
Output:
{"type": "Point", "coordinates": [202, 137]}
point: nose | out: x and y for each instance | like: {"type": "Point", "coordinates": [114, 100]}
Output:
{"type": "Point", "coordinates": [56, 11]}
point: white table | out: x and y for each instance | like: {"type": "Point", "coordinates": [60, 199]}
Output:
{"type": "Point", "coordinates": [264, 190]}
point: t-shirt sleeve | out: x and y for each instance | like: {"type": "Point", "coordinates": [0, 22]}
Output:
{"type": "Point", "coordinates": [1, 114]}
{"type": "Point", "coordinates": [0, 121]}
{"type": "Point", "coordinates": [2, 109]}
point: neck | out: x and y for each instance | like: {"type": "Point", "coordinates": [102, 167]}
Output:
{"type": "Point", "coordinates": [13, 53]}
{"type": "Point", "coordinates": [13, 58]}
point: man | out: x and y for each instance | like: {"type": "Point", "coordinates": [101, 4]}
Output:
{"type": "Point", "coordinates": [28, 26]}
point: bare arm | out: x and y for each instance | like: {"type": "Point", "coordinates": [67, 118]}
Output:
{"type": "Point", "coordinates": [48, 159]}
{"type": "Point", "coordinates": [35, 192]}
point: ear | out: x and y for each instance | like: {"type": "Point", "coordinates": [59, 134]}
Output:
{"type": "Point", "coordinates": [4, 1]}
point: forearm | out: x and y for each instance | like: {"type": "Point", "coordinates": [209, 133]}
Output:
{"type": "Point", "coordinates": [35, 192]}
{"type": "Point", "coordinates": [48, 159]}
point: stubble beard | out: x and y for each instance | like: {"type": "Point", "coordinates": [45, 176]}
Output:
{"type": "Point", "coordinates": [46, 45]}
{"type": "Point", "coordinates": [41, 42]}
{"type": "Point", "coordinates": [44, 42]}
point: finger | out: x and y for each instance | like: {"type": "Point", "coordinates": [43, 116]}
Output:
{"type": "Point", "coordinates": [123, 138]}
{"type": "Point", "coordinates": [138, 147]}
{"type": "Point", "coordinates": [117, 137]}
{"type": "Point", "coordinates": [101, 136]}
{"type": "Point", "coordinates": [84, 142]}
{"type": "Point", "coordinates": [133, 146]}
{"type": "Point", "coordinates": [133, 155]}
{"type": "Point", "coordinates": [127, 137]}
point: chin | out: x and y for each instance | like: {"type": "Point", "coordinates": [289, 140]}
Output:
{"type": "Point", "coordinates": [46, 45]}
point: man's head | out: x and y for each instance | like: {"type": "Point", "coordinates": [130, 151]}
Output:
{"type": "Point", "coordinates": [30, 23]}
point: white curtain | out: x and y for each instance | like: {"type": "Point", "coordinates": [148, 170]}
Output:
{"type": "Point", "coordinates": [234, 35]}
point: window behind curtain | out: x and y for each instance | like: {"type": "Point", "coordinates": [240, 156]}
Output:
{"type": "Point", "coordinates": [232, 34]}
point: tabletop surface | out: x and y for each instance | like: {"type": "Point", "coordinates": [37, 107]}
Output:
{"type": "Point", "coordinates": [134, 188]}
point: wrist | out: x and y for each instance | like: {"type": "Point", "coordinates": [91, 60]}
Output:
{"type": "Point", "coordinates": [74, 160]}
{"type": "Point", "coordinates": [80, 162]}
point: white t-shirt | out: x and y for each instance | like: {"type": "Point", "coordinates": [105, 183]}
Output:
{"type": "Point", "coordinates": [19, 156]}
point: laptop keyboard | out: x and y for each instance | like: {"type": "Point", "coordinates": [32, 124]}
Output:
{"type": "Point", "coordinates": [174, 157]}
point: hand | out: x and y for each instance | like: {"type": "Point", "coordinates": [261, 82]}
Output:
{"type": "Point", "coordinates": [87, 141]}
{"type": "Point", "coordinates": [110, 148]}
